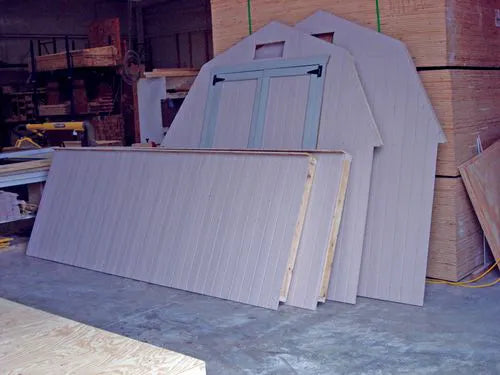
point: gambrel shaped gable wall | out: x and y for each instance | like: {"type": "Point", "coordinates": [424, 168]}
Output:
{"type": "Point", "coordinates": [399, 212]}
{"type": "Point", "coordinates": [345, 123]}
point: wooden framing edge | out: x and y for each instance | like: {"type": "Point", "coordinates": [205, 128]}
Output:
{"type": "Point", "coordinates": [285, 286]}
{"type": "Point", "coordinates": [334, 232]}
{"type": "Point", "coordinates": [473, 194]}
{"type": "Point", "coordinates": [188, 150]}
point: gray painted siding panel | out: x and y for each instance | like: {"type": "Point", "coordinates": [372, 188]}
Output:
{"type": "Point", "coordinates": [312, 254]}
{"type": "Point", "coordinates": [399, 212]}
{"type": "Point", "coordinates": [215, 223]}
{"type": "Point", "coordinates": [236, 101]}
{"type": "Point", "coordinates": [150, 91]}
{"type": "Point", "coordinates": [285, 115]}
{"type": "Point", "coordinates": [346, 123]}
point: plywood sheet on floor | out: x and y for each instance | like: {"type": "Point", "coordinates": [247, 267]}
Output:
{"type": "Point", "coordinates": [35, 342]}
{"type": "Point", "coordinates": [220, 224]}
{"type": "Point", "coordinates": [481, 177]}
{"type": "Point", "coordinates": [346, 123]}
{"type": "Point", "coordinates": [396, 238]}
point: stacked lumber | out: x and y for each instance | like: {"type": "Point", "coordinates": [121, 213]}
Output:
{"type": "Point", "coordinates": [101, 104]}
{"type": "Point", "coordinates": [105, 32]}
{"type": "Point", "coordinates": [456, 242]}
{"type": "Point", "coordinates": [54, 109]}
{"type": "Point", "coordinates": [437, 32]}
{"type": "Point", "coordinates": [80, 96]}
{"type": "Point", "coordinates": [109, 128]}
{"type": "Point", "coordinates": [84, 58]}
{"type": "Point", "coordinates": [466, 103]}
{"type": "Point", "coordinates": [34, 341]}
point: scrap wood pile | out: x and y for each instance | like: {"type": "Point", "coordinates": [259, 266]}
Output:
{"type": "Point", "coordinates": [9, 206]}
{"type": "Point", "coordinates": [250, 198]}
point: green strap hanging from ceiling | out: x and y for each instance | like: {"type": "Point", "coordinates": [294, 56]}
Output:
{"type": "Point", "coordinates": [378, 15]}
{"type": "Point", "coordinates": [249, 13]}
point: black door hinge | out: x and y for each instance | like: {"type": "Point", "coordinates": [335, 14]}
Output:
{"type": "Point", "coordinates": [217, 79]}
{"type": "Point", "coordinates": [318, 71]}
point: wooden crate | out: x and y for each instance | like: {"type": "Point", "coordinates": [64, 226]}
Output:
{"type": "Point", "coordinates": [456, 242]}
{"type": "Point", "coordinates": [437, 32]}
{"type": "Point", "coordinates": [83, 58]}
{"type": "Point", "coordinates": [467, 105]}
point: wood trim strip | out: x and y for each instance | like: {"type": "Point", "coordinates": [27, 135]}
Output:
{"type": "Point", "coordinates": [298, 229]}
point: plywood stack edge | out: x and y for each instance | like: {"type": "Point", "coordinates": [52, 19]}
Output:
{"type": "Point", "coordinates": [437, 32]}
{"type": "Point", "coordinates": [466, 103]}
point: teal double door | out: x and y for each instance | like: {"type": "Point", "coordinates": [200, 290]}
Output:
{"type": "Point", "coordinates": [274, 104]}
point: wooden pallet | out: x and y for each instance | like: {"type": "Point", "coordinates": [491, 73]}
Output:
{"type": "Point", "coordinates": [437, 32]}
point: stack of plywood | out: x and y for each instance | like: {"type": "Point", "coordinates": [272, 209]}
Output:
{"type": "Point", "coordinates": [466, 103]}
{"type": "Point", "coordinates": [437, 32]}
{"type": "Point", "coordinates": [448, 40]}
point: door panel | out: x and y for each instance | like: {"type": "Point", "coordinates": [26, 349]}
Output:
{"type": "Point", "coordinates": [234, 114]}
{"type": "Point", "coordinates": [273, 104]}
{"type": "Point", "coordinates": [285, 112]}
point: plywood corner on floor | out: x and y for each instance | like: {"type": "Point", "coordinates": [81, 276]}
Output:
{"type": "Point", "coordinates": [36, 342]}
{"type": "Point", "coordinates": [346, 123]}
{"type": "Point", "coordinates": [224, 224]}
{"type": "Point", "coordinates": [481, 177]}
{"type": "Point", "coordinates": [397, 230]}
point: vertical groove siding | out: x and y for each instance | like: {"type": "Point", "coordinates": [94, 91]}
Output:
{"type": "Point", "coordinates": [397, 230]}
{"type": "Point", "coordinates": [346, 123]}
{"type": "Point", "coordinates": [219, 224]}
{"type": "Point", "coordinates": [311, 257]}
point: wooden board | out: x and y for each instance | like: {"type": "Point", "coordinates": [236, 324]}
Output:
{"type": "Point", "coordinates": [84, 58]}
{"type": "Point", "coordinates": [456, 241]}
{"type": "Point", "coordinates": [399, 211]}
{"type": "Point", "coordinates": [224, 224]}
{"type": "Point", "coordinates": [25, 166]}
{"type": "Point", "coordinates": [466, 103]}
{"type": "Point", "coordinates": [437, 33]}
{"type": "Point", "coordinates": [481, 177]}
{"type": "Point", "coordinates": [346, 123]}
{"type": "Point", "coordinates": [35, 342]}
{"type": "Point", "coordinates": [313, 265]}
{"type": "Point", "coordinates": [172, 72]}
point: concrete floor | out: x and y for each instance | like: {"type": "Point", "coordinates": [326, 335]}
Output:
{"type": "Point", "coordinates": [456, 332]}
